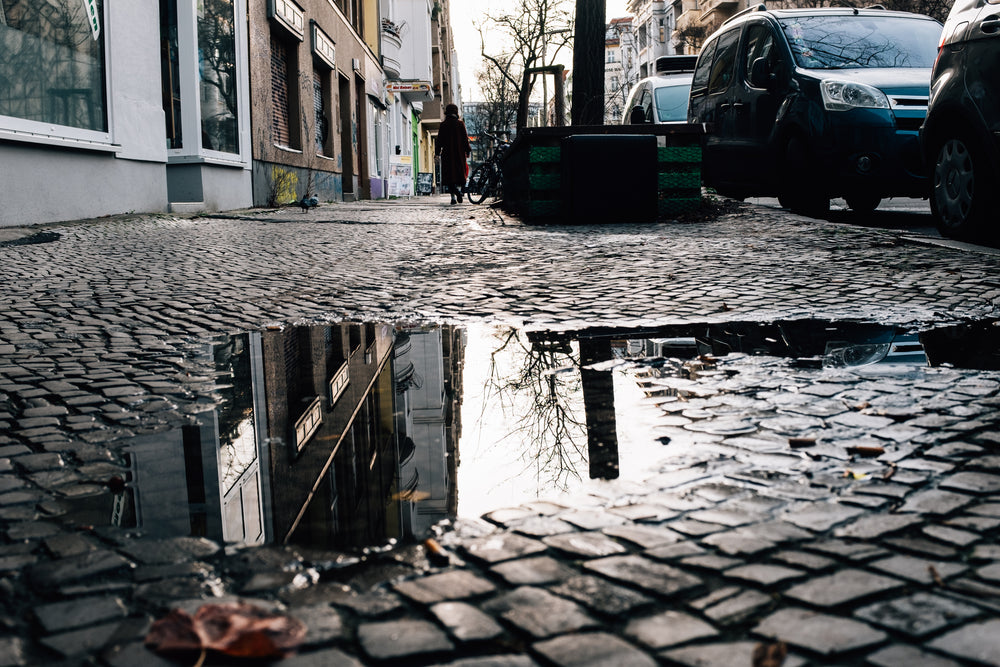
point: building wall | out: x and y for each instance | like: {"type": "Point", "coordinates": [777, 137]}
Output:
{"type": "Point", "coordinates": [50, 177]}
{"type": "Point", "coordinates": [289, 166]}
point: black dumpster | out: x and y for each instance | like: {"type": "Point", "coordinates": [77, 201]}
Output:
{"type": "Point", "coordinates": [608, 178]}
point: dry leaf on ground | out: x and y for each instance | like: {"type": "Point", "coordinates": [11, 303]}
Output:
{"type": "Point", "coordinates": [235, 629]}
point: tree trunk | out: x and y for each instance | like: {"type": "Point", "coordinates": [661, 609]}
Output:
{"type": "Point", "coordinates": [588, 63]}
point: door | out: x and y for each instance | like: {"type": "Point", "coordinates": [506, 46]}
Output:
{"type": "Point", "coordinates": [755, 103]}
{"type": "Point", "coordinates": [348, 141]}
{"type": "Point", "coordinates": [722, 98]}
{"type": "Point", "coordinates": [982, 65]}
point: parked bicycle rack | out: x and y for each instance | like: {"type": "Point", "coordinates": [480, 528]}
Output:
{"type": "Point", "coordinates": [603, 173]}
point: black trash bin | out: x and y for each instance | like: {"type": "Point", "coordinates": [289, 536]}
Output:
{"type": "Point", "coordinates": [609, 178]}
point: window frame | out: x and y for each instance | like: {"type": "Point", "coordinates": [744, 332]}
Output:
{"type": "Point", "coordinates": [40, 132]}
{"type": "Point", "coordinates": [190, 91]}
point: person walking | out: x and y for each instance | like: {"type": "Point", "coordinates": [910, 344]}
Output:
{"type": "Point", "coordinates": [453, 148]}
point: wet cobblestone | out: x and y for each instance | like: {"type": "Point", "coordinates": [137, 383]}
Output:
{"type": "Point", "coordinates": [853, 515]}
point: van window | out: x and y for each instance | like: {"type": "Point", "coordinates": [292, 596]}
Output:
{"type": "Point", "coordinates": [760, 44]}
{"type": "Point", "coordinates": [845, 42]}
{"type": "Point", "coordinates": [704, 67]}
{"type": "Point", "coordinates": [725, 61]}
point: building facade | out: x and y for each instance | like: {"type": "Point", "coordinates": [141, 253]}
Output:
{"type": "Point", "coordinates": [317, 99]}
{"type": "Point", "coordinates": [652, 25]}
{"type": "Point", "coordinates": [93, 121]}
{"type": "Point", "coordinates": [208, 105]}
{"type": "Point", "coordinates": [620, 68]}
{"type": "Point", "coordinates": [406, 58]}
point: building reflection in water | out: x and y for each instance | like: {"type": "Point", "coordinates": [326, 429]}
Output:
{"type": "Point", "coordinates": [329, 436]}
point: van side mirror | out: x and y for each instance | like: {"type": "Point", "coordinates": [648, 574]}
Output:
{"type": "Point", "coordinates": [637, 116]}
{"type": "Point", "coordinates": [760, 74]}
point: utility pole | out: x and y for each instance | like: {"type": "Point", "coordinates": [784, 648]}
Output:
{"type": "Point", "coordinates": [588, 63]}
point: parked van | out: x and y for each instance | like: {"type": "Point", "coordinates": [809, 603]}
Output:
{"type": "Point", "coordinates": [811, 104]}
{"type": "Point", "coordinates": [961, 136]}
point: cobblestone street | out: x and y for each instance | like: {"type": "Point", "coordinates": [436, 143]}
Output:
{"type": "Point", "coordinates": [846, 516]}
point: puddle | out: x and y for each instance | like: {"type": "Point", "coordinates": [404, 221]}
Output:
{"type": "Point", "coordinates": [351, 435]}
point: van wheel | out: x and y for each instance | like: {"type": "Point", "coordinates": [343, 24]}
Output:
{"type": "Point", "coordinates": [863, 203]}
{"type": "Point", "coordinates": [962, 180]}
{"type": "Point", "coordinates": [797, 193]}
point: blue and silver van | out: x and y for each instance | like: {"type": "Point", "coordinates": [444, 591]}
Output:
{"type": "Point", "coordinates": [811, 104]}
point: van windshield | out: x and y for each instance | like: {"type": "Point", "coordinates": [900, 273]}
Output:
{"type": "Point", "coordinates": [672, 103]}
{"type": "Point", "coordinates": [844, 42]}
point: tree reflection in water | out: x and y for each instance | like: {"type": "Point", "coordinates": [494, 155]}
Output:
{"type": "Point", "coordinates": [537, 387]}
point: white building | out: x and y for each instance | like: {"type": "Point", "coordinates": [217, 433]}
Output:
{"type": "Point", "coordinates": [620, 67]}
{"type": "Point", "coordinates": [406, 58]}
{"type": "Point", "coordinates": [654, 24]}
{"type": "Point", "coordinates": [86, 129]}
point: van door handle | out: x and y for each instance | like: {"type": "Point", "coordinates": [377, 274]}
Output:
{"type": "Point", "coordinates": [724, 107]}
{"type": "Point", "coordinates": [738, 106]}
{"type": "Point", "coordinates": [990, 25]}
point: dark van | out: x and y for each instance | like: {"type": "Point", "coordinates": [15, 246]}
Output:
{"type": "Point", "coordinates": [961, 135]}
{"type": "Point", "coordinates": [811, 104]}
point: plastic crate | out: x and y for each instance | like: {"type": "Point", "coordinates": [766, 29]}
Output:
{"type": "Point", "coordinates": [679, 154]}
{"type": "Point", "coordinates": [675, 180]}
{"type": "Point", "coordinates": [544, 154]}
{"type": "Point", "coordinates": [544, 181]}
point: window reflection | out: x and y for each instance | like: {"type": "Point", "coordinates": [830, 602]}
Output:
{"type": "Point", "coordinates": [170, 73]}
{"type": "Point", "coordinates": [217, 71]}
{"type": "Point", "coordinates": [52, 64]}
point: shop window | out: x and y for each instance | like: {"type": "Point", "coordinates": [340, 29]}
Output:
{"type": "Point", "coordinates": [52, 63]}
{"type": "Point", "coordinates": [170, 73]}
{"type": "Point", "coordinates": [217, 69]}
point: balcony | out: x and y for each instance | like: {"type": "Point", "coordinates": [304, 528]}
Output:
{"type": "Point", "coordinates": [721, 9]}
{"type": "Point", "coordinates": [392, 48]}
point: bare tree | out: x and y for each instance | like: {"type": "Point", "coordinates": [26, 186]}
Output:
{"type": "Point", "coordinates": [500, 108]}
{"type": "Point", "coordinates": [588, 63]}
{"type": "Point", "coordinates": [536, 31]}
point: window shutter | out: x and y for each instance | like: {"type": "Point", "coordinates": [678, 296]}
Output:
{"type": "Point", "coordinates": [279, 92]}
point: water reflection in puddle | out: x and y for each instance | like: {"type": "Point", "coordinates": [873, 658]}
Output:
{"type": "Point", "coordinates": [350, 435]}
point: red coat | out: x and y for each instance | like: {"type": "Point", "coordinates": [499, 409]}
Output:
{"type": "Point", "coordinates": [453, 147]}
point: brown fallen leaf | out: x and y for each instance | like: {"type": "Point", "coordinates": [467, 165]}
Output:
{"type": "Point", "coordinates": [890, 472]}
{"type": "Point", "coordinates": [798, 443]}
{"type": "Point", "coordinates": [770, 655]}
{"type": "Point", "coordinates": [935, 575]}
{"type": "Point", "coordinates": [235, 629]}
{"type": "Point", "coordinates": [866, 450]}
{"type": "Point", "coordinates": [436, 553]}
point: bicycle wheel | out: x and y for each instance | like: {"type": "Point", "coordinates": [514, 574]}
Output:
{"type": "Point", "coordinates": [479, 183]}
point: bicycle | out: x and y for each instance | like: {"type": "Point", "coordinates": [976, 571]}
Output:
{"type": "Point", "coordinates": [487, 179]}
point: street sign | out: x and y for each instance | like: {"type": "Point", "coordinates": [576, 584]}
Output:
{"type": "Point", "coordinates": [92, 15]}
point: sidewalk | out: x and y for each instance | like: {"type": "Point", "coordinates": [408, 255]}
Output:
{"type": "Point", "coordinates": [848, 516]}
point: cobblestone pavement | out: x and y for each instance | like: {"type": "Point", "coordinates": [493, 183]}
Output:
{"type": "Point", "coordinates": [851, 514]}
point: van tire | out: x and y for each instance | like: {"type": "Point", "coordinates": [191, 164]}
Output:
{"type": "Point", "coordinates": [962, 180]}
